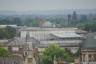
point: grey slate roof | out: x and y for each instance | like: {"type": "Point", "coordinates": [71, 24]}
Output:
{"type": "Point", "coordinates": [67, 35]}
{"type": "Point", "coordinates": [90, 41]}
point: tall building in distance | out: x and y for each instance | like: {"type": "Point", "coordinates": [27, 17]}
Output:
{"type": "Point", "coordinates": [74, 18]}
{"type": "Point", "coordinates": [69, 20]}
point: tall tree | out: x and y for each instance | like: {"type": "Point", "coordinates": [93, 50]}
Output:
{"type": "Point", "coordinates": [57, 52]}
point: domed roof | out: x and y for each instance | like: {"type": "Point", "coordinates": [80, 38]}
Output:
{"type": "Point", "coordinates": [48, 24]}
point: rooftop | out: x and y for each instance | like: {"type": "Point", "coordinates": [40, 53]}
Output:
{"type": "Point", "coordinates": [90, 41]}
{"type": "Point", "coordinates": [46, 29]}
{"type": "Point", "coordinates": [66, 35]}
{"type": "Point", "coordinates": [4, 26]}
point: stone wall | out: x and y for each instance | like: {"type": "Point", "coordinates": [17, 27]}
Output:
{"type": "Point", "coordinates": [11, 60]}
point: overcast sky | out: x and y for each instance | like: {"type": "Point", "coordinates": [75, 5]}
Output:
{"type": "Point", "coordinates": [46, 5]}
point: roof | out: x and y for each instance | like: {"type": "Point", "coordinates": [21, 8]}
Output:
{"type": "Point", "coordinates": [63, 43]}
{"type": "Point", "coordinates": [47, 24]}
{"type": "Point", "coordinates": [16, 42]}
{"type": "Point", "coordinates": [79, 31]}
{"type": "Point", "coordinates": [4, 26]}
{"type": "Point", "coordinates": [66, 35]}
{"type": "Point", "coordinates": [46, 29]}
{"type": "Point", "coordinates": [12, 42]}
{"type": "Point", "coordinates": [90, 41]}
{"type": "Point", "coordinates": [4, 42]}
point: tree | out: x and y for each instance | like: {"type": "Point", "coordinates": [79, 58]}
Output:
{"type": "Point", "coordinates": [78, 53]}
{"type": "Point", "coordinates": [91, 26]}
{"type": "Point", "coordinates": [47, 60]}
{"type": "Point", "coordinates": [57, 52]}
{"type": "Point", "coordinates": [2, 34]}
{"type": "Point", "coordinates": [4, 52]}
{"type": "Point", "coordinates": [83, 19]}
{"type": "Point", "coordinates": [81, 26]}
{"type": "Point", "coordinates": [11, 31]}
{"type": "Point", "coordinates": [7, 33]}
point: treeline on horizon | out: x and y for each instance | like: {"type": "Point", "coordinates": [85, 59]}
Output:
{"type": "Point", "coordinates": [87, 22]}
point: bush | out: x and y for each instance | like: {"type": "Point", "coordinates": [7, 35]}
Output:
{"type": "Point", "coordinates": [4, 52]}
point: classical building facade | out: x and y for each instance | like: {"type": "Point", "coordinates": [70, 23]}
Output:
{"type": "Point", "coordinates": [88, 49]}
{"type": "Point", "coordinates": [43, 37]}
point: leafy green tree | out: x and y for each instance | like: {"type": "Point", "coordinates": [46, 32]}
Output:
{"type": "Point", "coordinates": [81, 26]}
{"type": "Point", "coordinates": [7, 33]}
{"type": "Point", "coordinates": [11, 31]}
{"type": "Point", "coordinates": [91, 26]}
{"type": "Point", "coordinates": [78, 53]}
{"type": "Point", "coordinates": [47, 60]}
{"type": "Point", "coordinates": [4, 52]}
{"type": "Point", "coordinates": [2, 34]}
{"type": "Point", "coordinates": [55, 51]}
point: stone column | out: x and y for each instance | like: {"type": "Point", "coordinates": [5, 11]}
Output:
{"type": "Point", "coordinates": [33, 61]}
{"type": "Point", "coordinates": [87, 57]}
{"type": "Point", "coordinates": [92, 57]}
{"type": "Point", "coordinates": [82, 57]}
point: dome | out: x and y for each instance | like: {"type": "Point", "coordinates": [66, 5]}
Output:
{"type": "Point", "coordinates": [48, 24]}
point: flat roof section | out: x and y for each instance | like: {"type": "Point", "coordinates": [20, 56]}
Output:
{"type": "Point", "coordinates": [67, 35]}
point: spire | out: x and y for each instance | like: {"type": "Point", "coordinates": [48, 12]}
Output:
{"type": "Point", "coordinates": [27, 37]}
